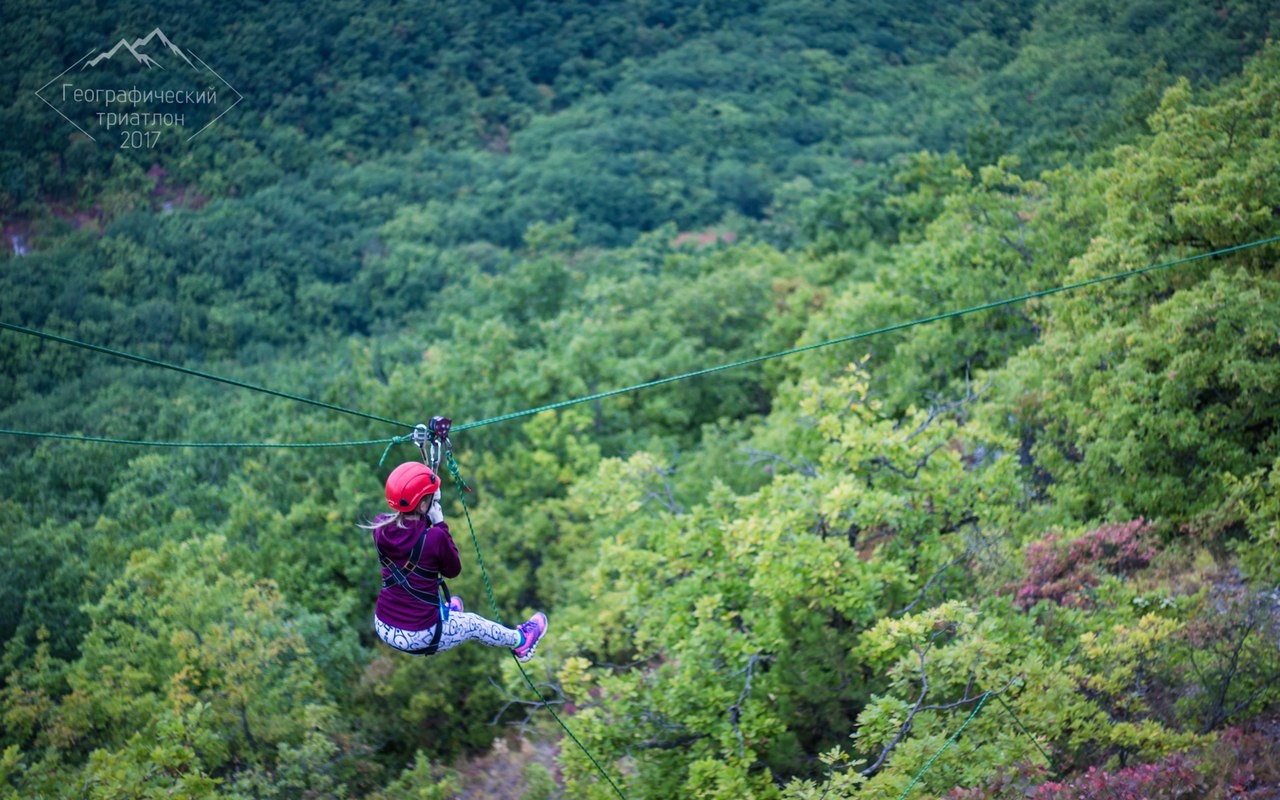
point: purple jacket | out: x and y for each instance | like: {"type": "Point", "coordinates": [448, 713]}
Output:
{"type": "Point", "coordinates": [396, 607]}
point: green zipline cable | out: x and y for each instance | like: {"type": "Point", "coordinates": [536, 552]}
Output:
{"type": "Point", "coordinates": [97, 348]}
{"type": "Point", "coordinates": [139, 443]}
{"type": "Point", "coordinates": [636, 387]}
{"type": "Point", "coordinates": [462, 487]}
{"type": "Point", "coordinates": [945, 745]}
{"type": "Point", "coordinates": [866, 334]}
{"type": "Point", "coordinates": [984, 697]}
{"type": "Point", "coordinates": [1021, 727]}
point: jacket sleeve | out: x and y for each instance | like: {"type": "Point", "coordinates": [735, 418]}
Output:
{"type": "Point", "coordinates": [450, 566]}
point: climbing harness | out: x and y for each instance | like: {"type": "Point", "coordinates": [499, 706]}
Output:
{"type": "Point", "coordinates": [399, 576]}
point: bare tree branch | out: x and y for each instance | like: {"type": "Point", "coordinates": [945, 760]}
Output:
{"type": "Point", "coordinates": [666, 497]}
{"type": "Point", "coordinates": [759, 456]}
{"type": "Point", "coordinates": [532, 705]}
{"type": "Point", "coordinates": [919, 706]}
{"type": "Point", "coordinates": [905, 728]}
{"type": "Point", "coordinates": [667, 744]}
{"type": "Point", "coordinates": [1020, 245]}
{"type": "Point", "coordinates": [920, 464]}
{"type": "Point", "coordinates": [937, 411]}
{"type": "Point", "coordinates": [924, 590]}
{"type": "Point", "coordinates": [669, 735]}
{"type": "Point", "coordinates": [735, 710]}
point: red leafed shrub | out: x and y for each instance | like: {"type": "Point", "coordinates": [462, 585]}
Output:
{"type": "Point", "coordinates": [1064, 575]}
{"type": "Point", "coordinates": [1246, 762]}
{"type": "Point", "coordinates": [1243, 764]}
{"type": "Point", "coordinates": [1171, 778]}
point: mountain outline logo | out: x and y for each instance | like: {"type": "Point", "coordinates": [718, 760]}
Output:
{"type": "Point", "coordinates": [136, 45]}
{"type": "Point", "coordinates": [132, 110]}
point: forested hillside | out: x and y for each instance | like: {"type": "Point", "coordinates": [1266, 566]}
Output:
{"type": "Point", "coordinates": [1028, 550]}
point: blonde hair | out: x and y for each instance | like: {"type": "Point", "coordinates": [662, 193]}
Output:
{"type": "Point", "coordinates": [383, 520]}
{"type": "Point", "coordinates": [387, 517]}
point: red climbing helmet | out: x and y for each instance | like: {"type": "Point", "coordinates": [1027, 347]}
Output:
{"type": "Point", "coordinates": [408, 484]}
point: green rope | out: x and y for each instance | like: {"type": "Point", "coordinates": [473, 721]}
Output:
{"type": "Point", "coordinates": [188, 371]}
{"type": "Point", "coordinates": [947, 744]}
{"type": "Point", "coordinates": [140, 443]}
{"type": "Point", "coordinates": [452, 464]}
{"type": "Point", "coordinates": [1017, 721]}
{"type": "Point", "coordinates": [395, 440]}
{"type": "Point", "coordinates": [647, 384]}
{"type": "Point", "coordinates": [866, 334]}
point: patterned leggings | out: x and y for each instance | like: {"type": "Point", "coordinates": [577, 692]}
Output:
{"type": "Point", "coordinates": [460, 627]}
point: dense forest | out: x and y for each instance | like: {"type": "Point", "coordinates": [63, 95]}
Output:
{"type": "Point", "coordinates": [1028, 550]}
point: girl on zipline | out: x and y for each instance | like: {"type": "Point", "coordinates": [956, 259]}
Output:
{"type": "Point", "coordinates": [415, 612]}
